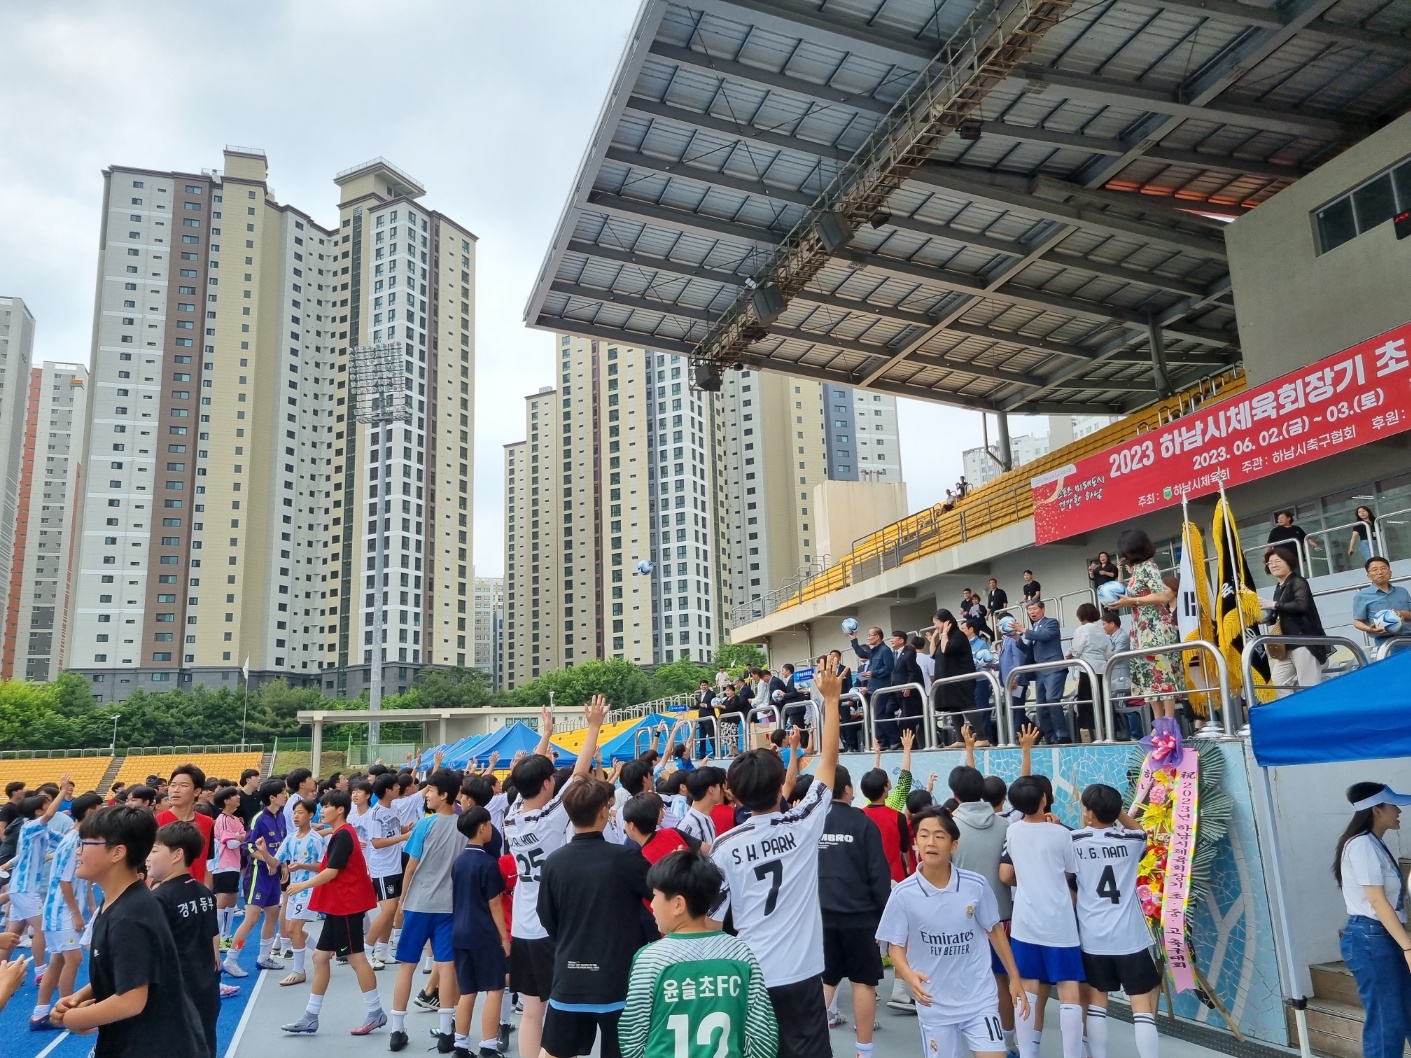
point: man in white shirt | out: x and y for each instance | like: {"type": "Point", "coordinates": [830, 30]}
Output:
{"type": "Point", "coordinates": [1115, 937]}
{"type": "Point", "coordinates": [706, 788]}
{"type": "Point", "coordinates": [770, 864]}
{"type": "Point", "coordinates": [1043, 931]}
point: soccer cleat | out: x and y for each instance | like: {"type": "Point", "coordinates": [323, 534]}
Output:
{"type": "Point", "coordinates": [268, 963]}
{"type": "Point", "coordinates": [428, 1002]}
{"type": "Point", "coordinates": [461, 1052]}
{"type": "Point", "coordinates": [504, 1040]}
{"type": "Point", "coordinates": [307, 1024]}
{"type": "Point", "coordinates": [42, 1024]}
{"type": "Point", "coordinates": [233, 968]}
{"type": "Point", "coordinates": [397, 1041]}
{"type": "Point", "coordinates": [445, 1042]}
{"type": "Point", "coordinates": [485, 1052]}
{"type": "Point", "coordinates": [225, 944]}
{"type": "Point", "coordinates": [906, 1006]}
{"type": "Point", "coordinates": [229, 991]}
{"type": "Point", "coordinates": [375, 1021]}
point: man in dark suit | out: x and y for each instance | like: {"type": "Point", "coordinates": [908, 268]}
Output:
{"type": "Point", "coordinates": [706, 715]}
{"type": "Point", "coordinates": [908, 704]}
{"type": "Point", "coordinates": [1045, 641]}
{"type": "Point", "coordinates": [998, 599]}
{"type": "Point", "coordinates": [876, 673]}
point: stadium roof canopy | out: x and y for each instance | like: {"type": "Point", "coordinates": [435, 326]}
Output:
{"type": "Point", "coordinates": [1008, 205]}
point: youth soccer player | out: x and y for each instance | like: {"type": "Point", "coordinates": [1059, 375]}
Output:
{"type": "Point", "coordinates": [480, 935]}
{"type": "Point", "coordinates": [1043, 931]}
{"type": "Point", "coordinates": [228, 834]}
{"type": "Point", "coordinates": [342, 893]}
{"type": "Point", "coordinates": [935, 926]}
{"type": "Point", "coordinates": [134, 998]}
{"type": "Point", "coordinates": [706, 788]}
{"type": "Point", "coordinates": [191, 916]}
{"type": "Point", "coordinates": [262, 895]}
{"type": "Point", "coordinates": [65, 914]}
{"type": "Point", "coordinates": [770, 864]}
{"type": "Point", "coordinates": [387, 838]}
{"type": "Point", "coordinates": [1115, 937]}
{"type": "Point", "coordinates": [27, 887]}
{"type": "Point", "coordinates": [535, 826]}
{"type": "Point", "coordinates": [698, 992]}
{"type": "Point", "coordinates": [302, 855]}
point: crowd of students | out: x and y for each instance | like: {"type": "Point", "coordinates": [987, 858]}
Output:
{"type": "Point", "coordinates": [665, 908]}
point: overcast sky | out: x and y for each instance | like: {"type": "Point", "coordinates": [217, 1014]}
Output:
{"type": "Point", "coordinates": [489, 104]}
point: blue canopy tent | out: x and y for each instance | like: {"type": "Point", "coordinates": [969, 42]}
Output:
{"type": "Point", "coordinates": [510, 740]}
{"type": "Point", "coordinates": [623, 746]}
{"type": "Point", "coordinates": [428, 756]}
{"type": "Point", "coordinates": [457, 754]}
{"type": "Point", "coordinates": [1371, 705]}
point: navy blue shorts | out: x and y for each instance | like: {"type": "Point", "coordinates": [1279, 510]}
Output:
{"type": "Point", "coordinates": [481, 969]}
{"type": "Point", "coordinates": [418, 927]}
{"type": "Point", "coordinates": [997, 967]}
{"type": "Point", "coordinates": [1039, 962]}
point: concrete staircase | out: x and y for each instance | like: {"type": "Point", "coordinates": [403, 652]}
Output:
{"type": "Point", "coordinates": [267, 763]}
{"type": "Point", "coordinates": [106, 782]}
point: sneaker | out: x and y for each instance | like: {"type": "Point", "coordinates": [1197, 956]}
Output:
{"type": "Point", "coordinates": [377, 962]}
{"type": "Point", "coordinates": [341, 960]}
{"type": "Point", "coordinates": [376, 1021]}
{"type": "Point", "coordinates": [268, 964]}
{"type": "Point", "coordinates": [42, 1024]}
{"type": "Point", "coordinates": [906, 1006]}
{"type": "Point", "coordinates": [233, 968]}
{"type": "Point", "coordinates": [504, 1040]}
{"type": "Point", "coordinates": [229, 991]}
{"type": "Point", "coordinates": [518, 1005]}
{"type": "Point", "coordinates": [485, 1052]}
{"type": "Point", "coordinates": [445, 1041]}
{"type": "Point", "coordinates": [225, 944]}
{"type": "Point", "coordinates": [397, 1041]}
{"type": "Point", "coordinates": [427, 1002]}
{"type": "Point", "coordinates": [307, 1024]}
{"type": "Point", "coordinates": [835, 1018]}
{"type": "Point", "coordinates": [460, 1052]}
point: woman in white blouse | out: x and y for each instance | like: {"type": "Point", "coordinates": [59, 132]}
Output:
{"type": "Point", "coordinates": [1091, 644]}
{"type": "Point", "coordinates": [1375, 944]}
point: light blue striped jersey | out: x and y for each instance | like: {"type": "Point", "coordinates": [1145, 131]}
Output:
{"type": "Point", "coordinates": [62, 869]}
{"type": "Point", "coordinates": [306, 849]}
{"type": "Point", "coordinates": [28, 873]}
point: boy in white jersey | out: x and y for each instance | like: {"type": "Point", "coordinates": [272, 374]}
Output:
{"type": "Point", "coordinates": [770, 864]}
{"type": "Point", "coordinates": [930, 928]}
{"type": "Point", "coordinates": [66, 911]}
{"type": "Point", "coordinates": [1044, 930]}
{"type": "Point", "coordinates": [1116, 939]}
{"type": "Point", "coordinates": [706, 788]}
{"type": "Point", "coordinates": [535, 826]}
{"type": "Point", "coordinates": [27, 872]}
{"type": "Point", "coordinates": [301, 852]}
{"type": "Point", "coordinates": [386, 840]}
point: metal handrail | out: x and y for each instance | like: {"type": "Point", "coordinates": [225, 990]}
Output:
{"type": "Point", "coordinates": [1247, 655]}
{"type": "Point", "coordinates": [1085, 595]}
{"type": "Point", "coordinates": [637, 739]}
{"type": "Point", "coordinates": [927, 721]}
{"type": "Point", "coordinates": [1102, 716]}
{"type": "Point", "coordinates": [1001, 712]}
{"type": "Point", "coordinates": [1222, 674]}
{"type": "Point", "coordinates": [1390, 645]}
{"type": "Point", "coordinates": [1327, 549]}
{"type": "Point", "coordinates": [688, 724]}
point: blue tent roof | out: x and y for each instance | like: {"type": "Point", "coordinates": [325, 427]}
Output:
{"type": "Point", "coordinates": [1367, 706]}
{"type": "Point", "coordinates": [448, 751]}
{"type": "Point", "coordinates": [510, 740]}
{"type": "Point", "coordinates": [623, 746]}
{"type": "Point", "coordinates": [458, 753]}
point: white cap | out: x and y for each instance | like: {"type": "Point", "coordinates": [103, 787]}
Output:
{"type": "Point", "coordinates": [1385, 796]}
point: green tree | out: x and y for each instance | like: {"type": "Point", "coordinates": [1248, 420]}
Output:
{"type": "Point", "coordinates": [621, 682]}
{"type": "Point", "coordinates": [739, 656]}
{"type": "Point", "coordinates": [678, 677]}
{"type": "Point", "coordinates": [450, 688]}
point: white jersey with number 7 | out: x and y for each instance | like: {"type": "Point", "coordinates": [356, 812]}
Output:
{"type": "Point", "coordinates": [770, 863]}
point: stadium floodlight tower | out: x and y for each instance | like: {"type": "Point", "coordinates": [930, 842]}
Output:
{"type": "Point", "coordinates": [382, 396]}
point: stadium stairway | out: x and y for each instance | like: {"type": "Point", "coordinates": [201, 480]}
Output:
{"type": "Point", "coordinates": [266, 764]}
{"type": "Point", "coordinates": [109, 776]}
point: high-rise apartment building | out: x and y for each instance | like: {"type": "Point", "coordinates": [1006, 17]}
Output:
{"type": "Point", "coordinates": [489, 625]}
{"type": "Point", "coordinates": [233, 499]}
{"type": "Point", "coordinates": [860, 435]}
{"type": "Point", "coordinates": [37, 629]}
{"type": "Point", "coordinates": [16, 354]}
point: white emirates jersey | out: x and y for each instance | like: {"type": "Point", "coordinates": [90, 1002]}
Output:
{"type": "Point", "coordinates": [1110, 917]}
{"type": "Point", "coordinates": [531, 836]}
{"type": "Point", "coordinates": [770, 863]}
{"type": "Point", "coordinates": [944, 934]}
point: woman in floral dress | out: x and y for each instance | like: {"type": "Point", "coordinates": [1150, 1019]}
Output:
{"type": "Point", "coordinates": [1153, 625]}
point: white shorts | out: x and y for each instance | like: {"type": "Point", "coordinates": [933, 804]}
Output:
{"type": "Point", "coordinates": [25, 906]}
{"type": "Point", "coordinates": [57, 940]}
{"type": "Point", "coordinates": [982, 1034]}
{"type": "Point", "coordinates": [87, 939]}
{"type": "Point", "coordinates": [296, 906]}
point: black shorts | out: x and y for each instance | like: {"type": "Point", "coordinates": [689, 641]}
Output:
{"type": "Point", "coordinates": [1135, 974]}
{"type": "Point", "coordinates": [803, 1019]}
{"type": "Point", "coordinates": [851, 952]}
{"type": "Point", "coordinates": [227, 882]}
{"type": "Point", "coordinates": [532, 969]}
{"type": "Point", "coordinates": [481, 969]}
{"type": "Point", "coordinates": [388, 888]}
{"type": "Point", "coordinates": [341, 934]}
{"type": "Point", "coordinates": [568, 1033]}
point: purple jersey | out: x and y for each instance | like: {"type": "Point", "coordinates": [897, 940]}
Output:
{"type": "Point", "coordinates": [263, 888]}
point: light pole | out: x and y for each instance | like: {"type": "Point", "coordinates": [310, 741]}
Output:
{"type": "Point", "coordinates": [380, 393]}
{"type": "Point", "coordinates": [113, 749]}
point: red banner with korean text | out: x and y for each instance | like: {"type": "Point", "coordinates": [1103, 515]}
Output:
{"type": "Point", "coordinates": [1349, 399]}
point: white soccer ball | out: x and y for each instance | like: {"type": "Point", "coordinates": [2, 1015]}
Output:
{"type": "Point", "coordinates": [849, 625]}
{"type": "Point", "coordinates": [1008, 626]}
{"type": "Point", "coordinates": [644, 567]}
{"type": "Point", "coordinates": [1110, 592]}
{"type": "Point", "coordinates": [777, 696]}
{"type": "Point", "coordinates": [984, 656]}
{"type": "Point", "coordinates": [715, 702]}
{"type": "Point", "coordinates": [1390, 620]}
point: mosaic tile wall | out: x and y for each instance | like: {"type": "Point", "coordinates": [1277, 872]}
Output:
{"type": "Point", "coordinates": [1234, 934]}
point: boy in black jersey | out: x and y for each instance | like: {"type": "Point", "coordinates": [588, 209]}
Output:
{"type": "Point", "coordinates": [134, 998]}
{"type": "Point", "coordinates": [191, 915]}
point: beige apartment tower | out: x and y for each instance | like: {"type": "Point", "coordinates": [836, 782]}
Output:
{"type": "Point", "coordinates": [16, 354]}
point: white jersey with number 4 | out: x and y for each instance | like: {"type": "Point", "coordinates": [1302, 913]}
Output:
{"type": "Point", "coordinates": [1110, 918]}
{"type": "Point", "coordinates": [770, 863]}
{"type": "Point", "coordinates": [531, 836]}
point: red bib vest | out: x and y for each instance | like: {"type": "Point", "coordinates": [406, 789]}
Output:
{"type": "Point", "coordinates": [351, 892]}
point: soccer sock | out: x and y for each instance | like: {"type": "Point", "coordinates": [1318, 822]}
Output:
{"type": "Point", "coordinates": [40, 1009]}
{"type": "Point", "coordinates": [284, 944]}
{"type": "Point", "coordinates": [448, 1020]}
{"type": "Point", "coordinates": [488, 1045]}
{"type": "Point", "coordinates": [399, 1021]}
{"type": "Point", "coordinates": [463, 1042]}
{"type": "Point", "coordinates": [372, 1002]}
{"type": "Point", "coordinates": [1070, 1020]}
{"type": "Point", "coordinates": [299, 959]}
{"type": "Point", "coordinates": [315, 1004]}
{"type": "Point", "coordinates": [1011, 1042]}
{"type": "Point", "coordinates": [506, 1007]}
{"type": "Point", "coordinates": [1097, 1032]}
{"type": "Point", "coordinates": [864, 1050]}
{"type": "Point", "coordinates": [266, 946]}
{"type": "Point", "coordinates": [1025, 1030]}
{"type": "Point", "coordinates": [1147, 1045]}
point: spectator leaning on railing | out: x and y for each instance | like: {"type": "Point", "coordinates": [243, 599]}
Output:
{"type": "Point", "coordinates": [1381, 594]}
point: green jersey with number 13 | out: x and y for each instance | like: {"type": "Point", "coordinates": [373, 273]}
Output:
{"type": "Point", "coordinates": [697, 995]}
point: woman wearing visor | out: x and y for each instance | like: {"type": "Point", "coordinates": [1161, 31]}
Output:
{"type": "Point", "coordinates": [1375, 943]}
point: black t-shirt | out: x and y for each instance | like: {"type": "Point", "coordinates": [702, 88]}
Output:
{"type": "Point", "coordinates": [249, 808]}
{"type": "Point", "coordinates": [1104, 573]}
{"type": "Point", "coordinates": [1280, 533]}
{"type": "Point", "coordinates": [340, 849]}
{"type": "Point", "coordinates": [8, 814]}
{"type": "Point", "coordinates": [132, 947]}
{"type": "Point", "coordinates": [191, 915]}
{"type": "Point", "coordinates": [1031, 589]}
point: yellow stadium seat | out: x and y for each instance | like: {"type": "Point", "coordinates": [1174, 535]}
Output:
{"type": "Point", "coordinates": [86, 772]}
{"type": "Point", "coordinates": [215, 765]}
